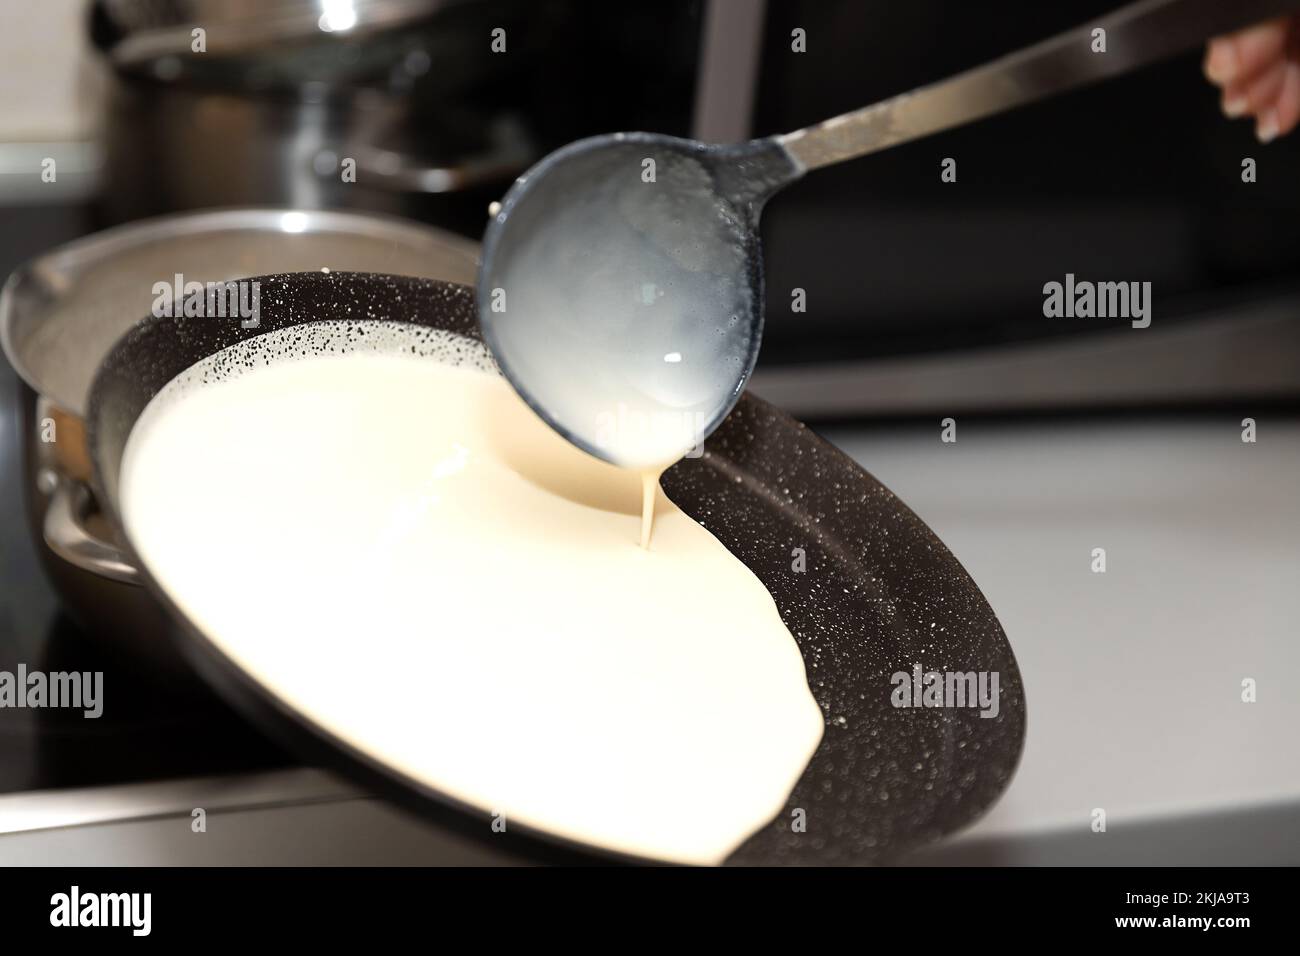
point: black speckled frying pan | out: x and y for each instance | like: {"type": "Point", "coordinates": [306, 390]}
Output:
{"type": "Point", "coordinates": [875, 595]}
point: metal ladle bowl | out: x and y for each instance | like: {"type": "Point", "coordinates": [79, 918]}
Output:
{"type": "Point", "coordinates": [621, 289]}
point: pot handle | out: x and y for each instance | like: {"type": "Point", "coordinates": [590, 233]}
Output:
{"type": "Point", "coordinates": [509, 153]}
{"type": "Point", "coordinates": [67, 535]}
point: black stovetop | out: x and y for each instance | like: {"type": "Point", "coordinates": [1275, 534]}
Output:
{"type": "Point", "coordinates": [149, 729]}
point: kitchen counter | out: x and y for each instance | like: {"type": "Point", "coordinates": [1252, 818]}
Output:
{"type": "Point", "coordinates": [1132, 676]}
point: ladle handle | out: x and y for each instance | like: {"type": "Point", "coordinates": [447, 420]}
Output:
{"type": "Point", "coordinates": [1135, 36]}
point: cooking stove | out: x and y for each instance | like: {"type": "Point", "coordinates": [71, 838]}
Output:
{"type": "Point", "coordinates": [58, 767]}
{"type": "Point", "coordinates": [148, 730]}
{"type": "Point", "coordinates": [1132, 677]}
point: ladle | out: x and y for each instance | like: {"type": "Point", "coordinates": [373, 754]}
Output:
{"type": "Point", "coordinates": [621, 285]}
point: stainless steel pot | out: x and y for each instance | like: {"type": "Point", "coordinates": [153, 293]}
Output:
{"type": "Point", "coordinates": [372, 105]}
{"type": "Point", "coordinates": [174, 147]}
{"type": "Point", "coordinates": [62, 312]}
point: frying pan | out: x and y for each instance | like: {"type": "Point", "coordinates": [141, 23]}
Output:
{"type": "Point", "coordinates": [877, 595]}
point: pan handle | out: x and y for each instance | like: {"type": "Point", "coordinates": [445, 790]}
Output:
{"type": "Point", "coordinates": [67, 536]}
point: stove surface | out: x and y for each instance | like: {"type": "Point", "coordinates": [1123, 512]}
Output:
{"type": "Point", "coordinates": [149, 730]}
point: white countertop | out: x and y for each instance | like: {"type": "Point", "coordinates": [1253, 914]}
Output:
{"type": "Point", "coordinates": [1132, 677]}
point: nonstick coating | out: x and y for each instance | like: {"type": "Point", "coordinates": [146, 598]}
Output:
{"type": "Point", "coordinates": [879, 593]}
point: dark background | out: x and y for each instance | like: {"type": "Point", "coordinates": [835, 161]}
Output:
{"type": "Point", "coordinates": [1136, 179]}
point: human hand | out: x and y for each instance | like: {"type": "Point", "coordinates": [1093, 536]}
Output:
{"type": "Point", "coordinates": [1258, 69]}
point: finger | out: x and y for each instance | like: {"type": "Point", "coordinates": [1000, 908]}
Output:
{"type": "Point", "coordinates": [1254, 96]}
{"type": "Point", "coordinates": [1239, 56]}
{"type": "Point", "coordinates": [1284, 114]}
